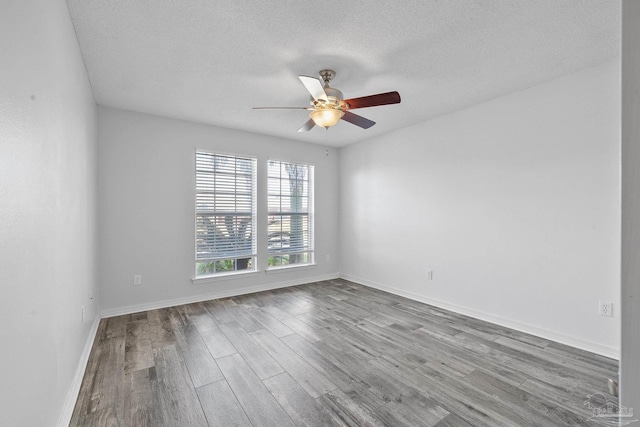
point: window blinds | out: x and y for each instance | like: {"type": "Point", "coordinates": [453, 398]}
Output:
{"type": "Point", "coordinates": [290, 206]}
{"type": "Point", "coordinates": [225, 207]}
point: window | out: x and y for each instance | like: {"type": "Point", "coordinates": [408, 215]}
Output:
{"type": "Point", "coordinates": [290, 226]}
{"type": "Point", "coordinates": [225, 213]}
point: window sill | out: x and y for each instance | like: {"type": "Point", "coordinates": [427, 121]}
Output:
{"type": "Point", "coordinates": [223, 276]}
{"type": "Point", "coordinates": [290, 268]}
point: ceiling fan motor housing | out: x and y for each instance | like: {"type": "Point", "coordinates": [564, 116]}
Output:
{"type": "Point", "coordinates": [334, 99]}
{"type": "Point", "coordinates": [333, 95]}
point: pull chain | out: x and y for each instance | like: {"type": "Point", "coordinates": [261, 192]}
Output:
{"type": "Point", "coordinates": [326, 143]}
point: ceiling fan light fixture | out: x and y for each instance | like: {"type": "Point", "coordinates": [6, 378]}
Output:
{"type": "Point", "coordinates": [326, 117]}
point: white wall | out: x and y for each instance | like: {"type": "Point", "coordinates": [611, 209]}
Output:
{"type": "Point", "coordinates": [514, 205]}
{"type": "Point", "coordinates": [629, 366]}
{"type": "Point", "coordinates": [147, 194]}
{"type": "Point", "coordinates": [47, 211]}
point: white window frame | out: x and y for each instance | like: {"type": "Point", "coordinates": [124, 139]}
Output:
{"type": "Point", "coordinates": [213, 197]}
{"type": "Point", "coordinates": [307, 249]}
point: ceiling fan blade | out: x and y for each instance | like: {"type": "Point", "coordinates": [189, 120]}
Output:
{"type": "Point", "coordinates": [282, 108]}
{"type": "Point", "coordinates": [307, 126]}
{"type": "Point", "coordinates": [314, 87]}
{"type": "Point", "coordinates": [357, 120]}
{"type": "Point", "coordinates": [374, 100]}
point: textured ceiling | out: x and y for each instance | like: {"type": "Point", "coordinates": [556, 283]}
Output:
{"type": "Point", "coordinates": [212, 61]}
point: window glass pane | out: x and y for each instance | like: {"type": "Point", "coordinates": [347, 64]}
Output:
{"type": "Point", "coordinates": [290, 225]}
{"type": "Point", "coordinates": [274, 204]}
{"type": "Point", "coordinates": [225, 213]}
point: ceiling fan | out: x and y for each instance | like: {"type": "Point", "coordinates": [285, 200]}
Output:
{"type": "Point", "coordinates": [328, 106]}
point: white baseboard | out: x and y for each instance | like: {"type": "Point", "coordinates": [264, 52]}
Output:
{"type": "Point", "coordinates": [212, 295]}
{"type": "Point", "coordinates": [559, 337]}
{"type": "Point", "coordinates": [74, 389]}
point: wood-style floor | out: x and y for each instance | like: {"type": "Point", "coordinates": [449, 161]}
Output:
{"type": "Point", "coordinates": [331, 353]}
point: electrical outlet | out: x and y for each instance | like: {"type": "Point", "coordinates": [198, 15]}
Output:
{"type": "Point", "coordinates": [137, 280]}
{"type": "Point", "coordinates": [429, 274]}
{"type": "Point", "coordinates": [606, 309]}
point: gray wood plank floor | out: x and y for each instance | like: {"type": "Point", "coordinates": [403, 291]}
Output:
{"type": "Point", "coordinates": [331, 353]}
